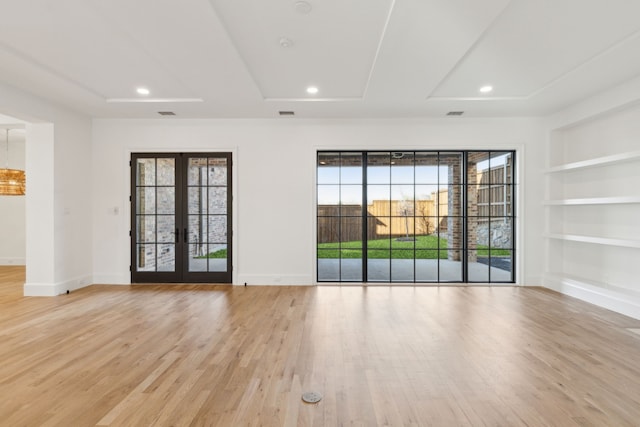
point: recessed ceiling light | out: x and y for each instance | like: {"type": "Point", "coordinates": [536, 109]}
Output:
{"type": "Point", "coordinates": [143, 91]}
{"type": "Point", "coordinates": [302, 7]}
{"type": "Point", "coordinates": [285, 42]}
{"type": "Point", "coordinates": [486, 89]}
{"type": "Point", "coordinates": [152, 100]}
{"type": "Point", "coordinates": [312, 90]}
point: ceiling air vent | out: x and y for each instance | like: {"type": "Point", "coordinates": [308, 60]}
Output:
{"type": "Point", "coordinates": [286, 113]}
{"type": "Point", "coordinates": [455, 113]}
{"type": "Point", "coordinates": [166, 113]}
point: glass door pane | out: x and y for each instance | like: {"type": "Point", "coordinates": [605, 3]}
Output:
{"type": "Point", "coordinates": [427, 217]}
{"type": "Point", "coordinates": [490, 222]}
{"type": "Point", "coordinates": [450, 210]}
{"type": "Point", "coordinates": [207, 214]}
{"type": "Point", "coordinates": [379, 211]}
{"type": "Point", "coordinates": [403, 211]}
{"type": "Point", "coordinates": [339, 233]}
{"type": "Point", "coordinates": [154, 218]}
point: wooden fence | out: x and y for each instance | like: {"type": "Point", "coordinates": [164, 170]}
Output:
{"type": "Point", "coordinates": [386, 218]}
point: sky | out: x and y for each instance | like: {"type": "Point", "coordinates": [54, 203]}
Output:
{"type": "Point", "coordinates": [395, 182]}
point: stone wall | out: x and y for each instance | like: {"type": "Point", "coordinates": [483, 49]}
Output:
{"type": "Point", "coordinates": [207, 210]}
{"type": "Point", "coordinates": [496, 234]}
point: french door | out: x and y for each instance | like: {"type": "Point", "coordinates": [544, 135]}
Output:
{"type": "Point", "coordinates": [181, 218]}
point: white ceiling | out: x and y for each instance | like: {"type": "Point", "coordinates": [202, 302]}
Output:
{"type": "Point", "coordinates": [368, 58]}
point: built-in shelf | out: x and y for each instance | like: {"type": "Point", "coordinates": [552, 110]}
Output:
{"type": "Point", "coordinates": [627, 243]}
{"type": "Point", "coordinates": [599, 161]}
{"type": "Point", "coordinates": [594, 201]}
{"type": "Point", "coordinates": [591, 233]}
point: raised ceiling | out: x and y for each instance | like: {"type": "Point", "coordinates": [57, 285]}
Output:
{"type": "Point", "coordinates": [368, 58]}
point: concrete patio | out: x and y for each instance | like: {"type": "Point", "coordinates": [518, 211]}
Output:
{"type": "Point", "coordinates": [407, 270]}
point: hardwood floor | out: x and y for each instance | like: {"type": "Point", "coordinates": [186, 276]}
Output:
{"type": "Point", "coordinates": [233, 356]}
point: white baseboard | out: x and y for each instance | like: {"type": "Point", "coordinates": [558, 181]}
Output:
{"type": "Point", "coordinates": [112, 279]}
{"type": "Point", "coordinates": [628, 305]}
{"type": "Point", "coordinates": [13, 261]}
{"type": "Point", "coordinates": [40, 290]}
{"type": "Point", "coordinates": [274, 280]}
{"type": "Point", "coordinates": [53, 289]}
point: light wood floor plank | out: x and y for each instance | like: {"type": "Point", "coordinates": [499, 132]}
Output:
{"type": "Point", "coordinates": [204, 355]}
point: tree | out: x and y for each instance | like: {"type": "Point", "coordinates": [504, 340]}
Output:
{"type": "Point", "coordinates": [424, 210]}
{"type": "Point", "coordinates": [406, 209]}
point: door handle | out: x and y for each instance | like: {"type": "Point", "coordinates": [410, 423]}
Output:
{"type": "Point", "coordinates": [185, 236]}
{"type": "Point", "coordinates": [177, 235]}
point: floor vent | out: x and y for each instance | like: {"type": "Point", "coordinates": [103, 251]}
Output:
{"type": "Point", "coordinates": [455, 113]}
{"type": "Point", "coordinates": [166, 113]}
{"type": "Point", "coordinates": [311, 397]}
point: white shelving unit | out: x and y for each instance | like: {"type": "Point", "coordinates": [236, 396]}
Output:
{"type": "Point", "coordinates": [594, 201]}
{"type": "Point", "coordinates": [624, 243]}
{"type": "Point", "coordinates": [598, 161]}
{"type": "Point", "coordinates": [592, 227]}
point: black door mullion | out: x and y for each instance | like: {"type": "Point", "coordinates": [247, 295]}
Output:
{"type": "Point", "coordinates": [365, 220]}
{"type": "Point", "coordinates": [512, 216]}
{"type": "Point", "coordinates": [391, 230]}
{"type": "Point", "coordinates": [181, 262]}
{"type": "Point", "coordinates": [465, 217]}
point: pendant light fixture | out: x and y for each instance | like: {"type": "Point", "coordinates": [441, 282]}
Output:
{"type": "Point", "coordinates": [12, 181]}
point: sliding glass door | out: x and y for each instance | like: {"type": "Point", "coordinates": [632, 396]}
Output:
{"type": "Point", "coordinates": [181, 217]}
{"type": "Point", "coordinates": [415, 216]}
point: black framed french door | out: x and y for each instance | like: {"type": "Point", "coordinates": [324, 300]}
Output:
{"type": "Point", "coordinates": [181, 217]}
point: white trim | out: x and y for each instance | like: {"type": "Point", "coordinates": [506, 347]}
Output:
{"type": "Point", "coordinates": [519, 212]}
{"type": "Point", "coordinates": [607, 102]}
{"type": "Point", "coordinates": [53, 289]}
{"type": "Point", "coordinates": [594, 201]}
{"type": "Point", "coordinates": [111, 279]}
{"type": "Point", "coordinates": [626, 243]}
{"type": "Point", "coordinates": [343, 99]}
{"type": "Point", "coordinates": [234, 204]}
{"type": "Point", "coordinates": [275, 279]}
{"type": "Point", "coordinates": [13, 261]}
{"type": "Point", "coordinates": [599, 161]}
{"type": "Point", "coordinates": [628, 305]}
{"type": "Point", "coordinates": [40, 290]}
{"type": "Point", "coordinates": [152, 100]}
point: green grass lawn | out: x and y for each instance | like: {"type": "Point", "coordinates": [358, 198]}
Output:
{"type": "Point", "coordinates": [424, 247]}
{"type": "Point", "coordinates": [222, 253]}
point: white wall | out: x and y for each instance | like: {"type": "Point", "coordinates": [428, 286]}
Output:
{"type": "Point", "coordinates": [274, 167]}
{"type": "Point", "coordinates": [58, 200]}
{"type": "Point", "coordinates": [73, 204]}
{"type": "Point", "coordinates": [12, 208]}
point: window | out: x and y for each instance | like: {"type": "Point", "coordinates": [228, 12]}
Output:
{"type": "Point", "coordinates": [415, 216]}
